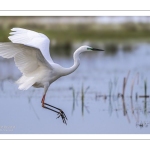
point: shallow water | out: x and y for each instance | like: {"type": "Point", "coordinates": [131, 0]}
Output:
{"type": "Point", "coordinates": [90, 97]}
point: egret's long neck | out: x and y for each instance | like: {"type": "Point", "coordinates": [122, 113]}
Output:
{"type": "Point", "coordinates": [75, 65]}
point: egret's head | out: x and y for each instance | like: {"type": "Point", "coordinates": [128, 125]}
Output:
{"type": "Point", "coordinates": [93, 49]}
{"type": "Point", "coordinates": [88, 48]}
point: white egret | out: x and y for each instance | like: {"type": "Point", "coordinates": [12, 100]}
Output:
{"type": "Point", "coordinates": [31, 54]}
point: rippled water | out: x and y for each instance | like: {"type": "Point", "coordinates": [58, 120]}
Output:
{"type": "Point", "coordinates": [90, 97]}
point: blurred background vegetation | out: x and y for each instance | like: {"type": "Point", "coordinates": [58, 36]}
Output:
{"type": "Point", "coordinates": [68, 33]}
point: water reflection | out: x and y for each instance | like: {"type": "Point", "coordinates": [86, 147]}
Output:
{"type": "Point", "coordinates": [62, 49]}
{"type": "Point", "coordinates": [130, 108]}
{"type": "Point", "coordinates": [128, 47]}
{"type": "Point", "coordinates": [82, 98]}
{"type": "Point", "coordinates": [111, 48]}
{"type": "Point", "coordinates": [133, 108]}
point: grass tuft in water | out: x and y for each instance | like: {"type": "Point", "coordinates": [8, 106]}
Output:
{"type": "Point", "coordinates": [83, 92]}
{"type": "Point", "coordinates": [125, 83]}
{"type": "Point", "coordinates": [110, 88]}
{"type": "Point", "coordinates": [145, 101]}
{"type": "Point", "coordinates": [132, 84]}
{"type": "Point", "coordinates": [74, 95]}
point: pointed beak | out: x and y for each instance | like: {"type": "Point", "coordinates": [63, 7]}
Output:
{"type": "Point", "coordinates": [96, 49]}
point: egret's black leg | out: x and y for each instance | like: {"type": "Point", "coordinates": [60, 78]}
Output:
{"type": "Point", "coordinates": [60, 112]}
{"type": "Point", "coordinates": [54, 109]}
{"type": "Point", "coordinates": [57, 109]}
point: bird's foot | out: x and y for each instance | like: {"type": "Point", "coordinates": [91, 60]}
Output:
{"type": "Point", "coordinates": [63, 116]}
{"type": "Point", "coordinates": [59, 112]}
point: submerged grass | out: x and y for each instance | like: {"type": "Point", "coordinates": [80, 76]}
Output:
{"type": "Point", "coordinates": [30, 102]}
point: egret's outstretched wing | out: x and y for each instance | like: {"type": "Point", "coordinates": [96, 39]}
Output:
{"type": "Point", "coordinates": [27, 59]}
{"type": "Point", "coordinates": [32, 39]}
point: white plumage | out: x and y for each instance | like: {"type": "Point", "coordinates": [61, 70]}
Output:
{"type": "Point", "coordinates": [27, 57]}
{"type": "Point", "coordinates": [32, 57]}
{"type": "Point", "coordinates": [33, 39]}
{"type": "Point", "coordinates": [29, 61]}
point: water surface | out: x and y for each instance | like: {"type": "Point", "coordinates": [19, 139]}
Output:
{"type": "Point", "coordinates": [90, 97]}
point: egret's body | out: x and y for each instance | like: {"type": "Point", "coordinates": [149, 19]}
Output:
{"type": "Point", "coordinates": [31, 55]}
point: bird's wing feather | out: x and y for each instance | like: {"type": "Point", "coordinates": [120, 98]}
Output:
{"type": "Point", "coordinates": [32, 39]}
{"type": "Point", "coordinates": [27, 59]}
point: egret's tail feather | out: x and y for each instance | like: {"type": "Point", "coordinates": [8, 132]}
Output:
{"type": "Point", "coordinates": [25, 82]}
{"type": "Point", "coordinates": [21, 80]}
